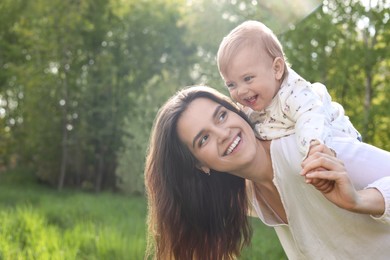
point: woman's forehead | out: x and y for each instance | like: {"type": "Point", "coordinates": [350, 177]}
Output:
{"type": "Point", "coordinates": [200, 106]}
{"type": "Point", "coordinates": [198, 115]}
{"type": "Point", "coordinates": [199, 109]}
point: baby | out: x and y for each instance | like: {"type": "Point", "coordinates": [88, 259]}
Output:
{"type": "Point", "coordinates": [280, 102]}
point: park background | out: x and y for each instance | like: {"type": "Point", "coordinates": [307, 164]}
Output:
{"type": "Point", "coordinates": [81, 82]}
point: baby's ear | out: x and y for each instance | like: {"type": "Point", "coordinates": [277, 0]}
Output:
{"type": "Point", "coordinates": [278, 67]}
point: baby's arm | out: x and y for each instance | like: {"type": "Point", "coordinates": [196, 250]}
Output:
{"type": "Point", "coordinates": [305, 105]}
{"type": "Point", "coordinates": [307, 109]}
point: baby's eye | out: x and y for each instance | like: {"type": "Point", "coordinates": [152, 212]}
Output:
{"type": "Point", "coordinates": [229, 85]}
{"type": "Point", "coordinates": [248, 78]}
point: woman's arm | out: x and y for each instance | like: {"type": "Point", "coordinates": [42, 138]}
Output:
{"type": "Point", "coordinates": [343, 194]}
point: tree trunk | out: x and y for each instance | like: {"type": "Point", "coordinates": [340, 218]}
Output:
{"type": "Point", "coordinates": [64, 158]}
{"type": "Point", "coordinates": [64, 142]}
{"type": "Point", "coordinates": [99, 177]}
{"type": "Point", "coordinates": [367, 103]}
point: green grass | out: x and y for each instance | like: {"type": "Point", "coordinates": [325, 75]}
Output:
{"type": "Point", "coordinates": [264, 244]}
{"type": "Point", "coordinates": [37, 222]}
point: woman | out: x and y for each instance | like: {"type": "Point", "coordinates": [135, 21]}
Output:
{"type": "Point", "coordinates": [203, 149]}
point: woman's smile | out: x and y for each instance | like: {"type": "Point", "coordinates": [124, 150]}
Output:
{"type": "Point", "coordinates": [234, 145]}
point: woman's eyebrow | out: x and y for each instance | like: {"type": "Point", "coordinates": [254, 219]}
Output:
{"type": "Point", "coordinates": [216, 111]}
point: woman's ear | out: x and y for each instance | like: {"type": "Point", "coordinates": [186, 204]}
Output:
{"type": "Point", "coordinates": [204, 169]}
{"type": "Point", "coordinates": [278, 67]}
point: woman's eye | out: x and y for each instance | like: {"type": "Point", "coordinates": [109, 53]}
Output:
{"type": "Point", "coordinates": [203, 140]}
{"type": "Point", "coordinates": [222, 116]}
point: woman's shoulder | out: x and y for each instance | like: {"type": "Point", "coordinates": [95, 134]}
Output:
{"type": "Point", "coordinates": [285, 155]}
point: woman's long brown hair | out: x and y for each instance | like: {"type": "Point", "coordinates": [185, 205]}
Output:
{"type": "Point", "coordinates": [191, 215]}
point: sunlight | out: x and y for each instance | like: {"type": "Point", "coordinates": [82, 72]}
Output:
{"type": "Point", "coordinates": [2, 112]}
{"type": "Point", "coordinates": [368, 4]}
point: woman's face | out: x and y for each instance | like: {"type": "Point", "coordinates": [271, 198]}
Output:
{"type": "Point", "coordinates": [219, 138]}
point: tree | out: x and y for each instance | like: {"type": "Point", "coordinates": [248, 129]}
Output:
{"type": "Point", "coordinates": [81, 81]}
{"type": "Point", "coordinates": [164, 70]}
{"type": "Point", "coordinates": [344, 47]}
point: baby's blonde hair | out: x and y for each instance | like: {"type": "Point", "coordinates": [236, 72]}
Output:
{"type": "Point", "coordinates": [251, 34]}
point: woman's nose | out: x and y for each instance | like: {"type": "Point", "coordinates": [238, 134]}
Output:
{"type": "Point", "coordinates": [223, 133]}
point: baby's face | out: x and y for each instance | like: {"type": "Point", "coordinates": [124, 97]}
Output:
{"type": "Point", "coordinates": [253, 78]}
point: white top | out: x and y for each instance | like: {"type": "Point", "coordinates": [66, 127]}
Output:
{"type": "Point", "coordinates": [317, 229]}
{"type": "Point", "coordinates": [304, 109]}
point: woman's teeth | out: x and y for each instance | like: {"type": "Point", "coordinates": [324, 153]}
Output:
{"type": "Point", "coordinates": [233, 145]}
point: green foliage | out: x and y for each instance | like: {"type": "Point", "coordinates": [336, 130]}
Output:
{"type": "Point", "coordinates": [264, 244]}
{"type": "Point", "coordinates": [84, 60]}
{"type": "Point", "coordinates": [81, 81]}
{"type": "Point", "coordinates": [137, 129]}
{"type": "Point", "coordinates": [38, 223]}
{"type": "Point", "coordinates": [27, 234]}
{"type": "Point", "coordinates": [344, 48]}
{"type": "Point", "coordinates": [166, 70]}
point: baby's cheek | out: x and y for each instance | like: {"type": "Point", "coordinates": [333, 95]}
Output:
{"type": "Point", "coordinates": [233, 95]}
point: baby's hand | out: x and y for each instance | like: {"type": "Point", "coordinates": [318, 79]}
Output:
{"type": "Point", "coordinates": [322, 185]}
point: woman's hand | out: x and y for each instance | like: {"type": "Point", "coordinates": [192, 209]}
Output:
{"type": "Point", "coordinates": [325, 167]}
{"type": "Point", "coordinates": [322, 165]}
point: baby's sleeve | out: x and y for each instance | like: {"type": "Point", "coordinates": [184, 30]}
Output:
{"type": "Point", "coordinates": [312, 120]}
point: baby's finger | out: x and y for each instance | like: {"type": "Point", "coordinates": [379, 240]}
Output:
{"type": "Point", "coordinates": [316, 146]}
{"type": "Point", "coordinates": [329, 187]}
{"type": "Point", "coordinates": [324, 186]}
